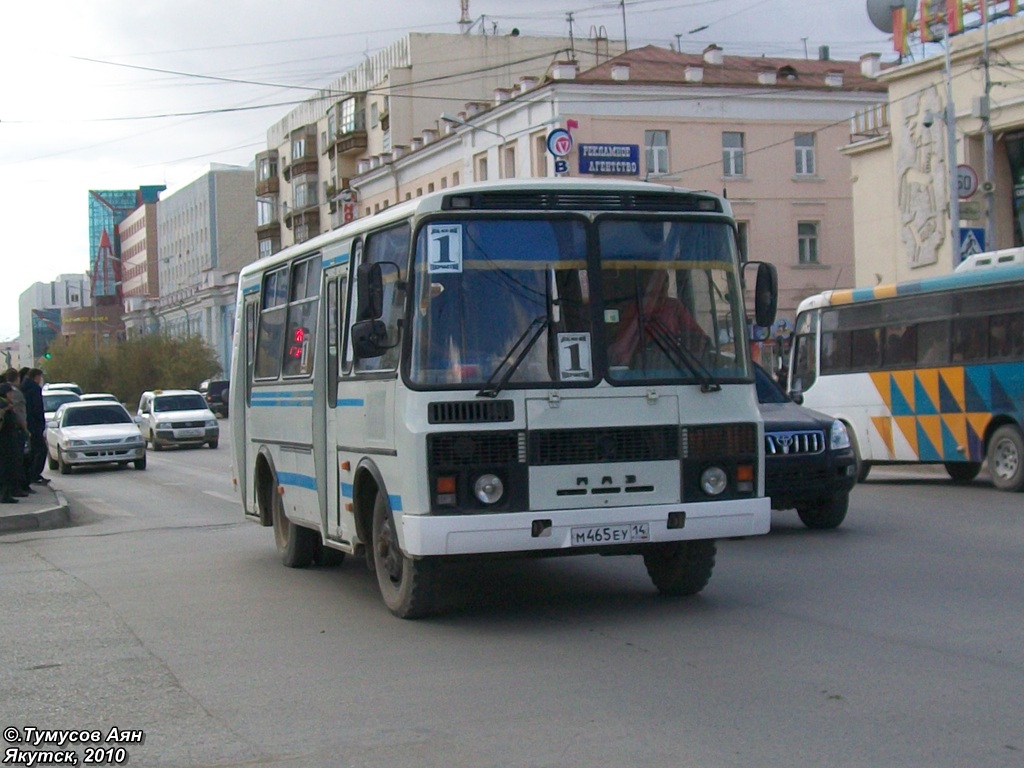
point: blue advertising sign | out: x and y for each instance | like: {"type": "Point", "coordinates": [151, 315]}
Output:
{"type": "Point", "coordinates": [610, 159]}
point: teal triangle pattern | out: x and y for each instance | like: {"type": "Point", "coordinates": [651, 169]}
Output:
{"type": "Point", "coordinates": [1000, 400]}
{"type": "Point", "coordinates": [900, 406]}
{"type": "Point", "coordinates": [922, 402]}
{"type": "Point", "coordinates": [976, 382]}
{"type": "Point", "coordinates": [925, 450]}
{"type": "Point", "coordinates": [947, 401]}
{"type": "Point", "coordinates": [949, 444]}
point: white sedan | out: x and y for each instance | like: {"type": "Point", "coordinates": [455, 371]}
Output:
{"type": "Point", "coordinates": [93, 432]}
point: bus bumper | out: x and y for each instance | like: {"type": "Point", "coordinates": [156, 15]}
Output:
{"type": "Point", "coordinates": [553, 530]}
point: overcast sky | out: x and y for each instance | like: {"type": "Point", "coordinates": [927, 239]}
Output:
{"type": "Point", "coordinates": [118, 94]}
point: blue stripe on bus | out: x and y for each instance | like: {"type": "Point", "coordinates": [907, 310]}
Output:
{"type": "Point", "coordinates": [299, 481]}
{"type": "Point", "coordinates": [341, 258]}
{"type": "Point", "coordinates": [250, 290]}
{"type": "Point", "coordinates": [969, 279]}
{"type": "Point", "coordinates": [350, 402]}
{"type": "Point", "coordinates": [394, 500]}
{"type": "Point", "coordinates": [282, 399]}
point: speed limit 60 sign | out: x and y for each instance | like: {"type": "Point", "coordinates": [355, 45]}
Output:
{"type": "Point", "coordinates": [966, 181]}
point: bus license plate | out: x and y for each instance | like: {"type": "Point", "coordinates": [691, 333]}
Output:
{"type": "Point", "coordinates": [610, 534]}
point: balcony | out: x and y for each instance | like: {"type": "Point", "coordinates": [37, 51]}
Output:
{"type": "Point", "coordinates": [348, 143]}
{"type": "Point", "coordinates": [269, 230]}
{"type": "Point", "coordinates": [310, 216]}
{"type": "Point", "coordinates": [269, 186]}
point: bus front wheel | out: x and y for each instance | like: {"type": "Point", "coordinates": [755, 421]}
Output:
{"type": "Point", "coordinates": [296, 545]}
{"type": "Point", "coordinates": [1006, 458]}
{"type": "Point", "coordinates": [406, 584]}
{"type": "Point", "coordinates": [680, 568]}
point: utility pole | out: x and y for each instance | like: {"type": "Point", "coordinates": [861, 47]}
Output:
{"type": "Point", "coordinates": [990, 169]}
{"type": "Point", "coordinates": [679, 42]}
{"type": "Point", "coordinates": [572, 42]}
{"type": "Point", "coordinates": [954, 192]}
{"type": "Point", "coordinates": [625, 39]}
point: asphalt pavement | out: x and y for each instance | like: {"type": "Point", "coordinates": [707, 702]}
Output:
{"type": "Point", "coordinates": [46, 508]}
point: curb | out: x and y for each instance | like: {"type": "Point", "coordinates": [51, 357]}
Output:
{"type": "Point", "coordinates": [42, 520]}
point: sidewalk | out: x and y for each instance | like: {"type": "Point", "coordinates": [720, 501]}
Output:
{"type": "Point", "coordinates": [46, 508]}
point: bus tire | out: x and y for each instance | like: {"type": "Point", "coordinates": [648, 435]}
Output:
{"type": "Point", "coordinates": [1006, 458]}
{"type": "Point", "coordinates": [296, 545]}
{"type": "Point", "coordinates": [680, 568]}
{"type": "Point", "coordinates": [827, 515]}
{"type": "Point", "coordinates": [962, 471]}
{"type": "Point", "coordinates": [406, 584]}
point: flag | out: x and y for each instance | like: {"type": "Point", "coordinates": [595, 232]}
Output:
{"type": "Point", "coordinates": [899, 31]}
{"type": "Point", "coordinates": [925, 24]}
{"type": "Point", "coordinates": [955, 16]}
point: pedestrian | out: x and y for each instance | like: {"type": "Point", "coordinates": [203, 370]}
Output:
{"type": "Point", "coordinates": [14, 379]}
{"type": "Point", "coordinates": [9, 444]}
{"type": "Point", "coordinates": [35, 417]}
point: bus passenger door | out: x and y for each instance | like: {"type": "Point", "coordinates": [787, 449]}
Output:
{"type": "Point", "coordinates": [338, 527]}
{"type": "Point", "coordinates": [240, 393]}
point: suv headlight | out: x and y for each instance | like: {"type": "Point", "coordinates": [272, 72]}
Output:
{"type": "Point", "coordinates": [211, 423]}
{"type": "Point", "coordinates": [840, 437]}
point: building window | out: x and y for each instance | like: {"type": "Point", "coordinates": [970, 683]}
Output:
{"type": "Point", "coordinates": [540, 156]}
{"type": "Point", "coordinates": [807, 242]}
{"type": "Point", "coordinates": [265, 213]}
{"type": "Point", "coordinates": [656, 152]}
{"type": "Point", "coordinates": [348, 116]}
{"type": "Point", "coordinates": [510, 162]}
{"type": "Point", "coordinates": [444, 182]}
{"type": "Point", "coordinates": [803, 144]}
{"type": "Point", "coordinates": [267, 169]}
{"type": "Point", "coordinates": [374, 114]}
{"type": "Point", "coordinates": [298, 148]}
{"type": "Point", "coordinates": [266, 248]}
{"type": "Point", "coordinates": [455, 178]}
{"type": "Point", "coordinates": [480, 164]}
{"type": "Point", "coordinates": [732, 154]}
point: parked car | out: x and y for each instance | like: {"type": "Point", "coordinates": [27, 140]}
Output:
{"type": "Point", "coordinates": [98, 432]}
{"type": "Point", "coordinates": [176, 417]}
{"type": "Point", "coordinates": [55, 398]}
{"type": "Point", "coordinates": [216, 393]}
{"type": "Point", "coordinates": [810, 465]}
{"type": "Point", "coordinates": [63, 385]}
{"type": "Point", "coordinates": [99, 396]}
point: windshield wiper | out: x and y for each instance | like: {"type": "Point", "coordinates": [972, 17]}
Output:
{"type": "Point", "coordinates": [511, 362]}
{"type": "Point", "coordinates": [679, 355]}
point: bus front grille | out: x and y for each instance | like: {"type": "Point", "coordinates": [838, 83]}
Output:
{"type": "Point", "coordinates": [471, 412]}
{"type": "Point", "coordinates": [451, 449]}
{"type": "Point", "coordinates": [594, 446]}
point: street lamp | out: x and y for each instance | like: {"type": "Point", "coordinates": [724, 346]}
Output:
{"type": "Point", "coordinates": [501, 159]}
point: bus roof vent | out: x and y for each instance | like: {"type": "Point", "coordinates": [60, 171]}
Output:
{"type": "Point", "coordinates": [580, 200]}
{"type": "Point", "coordinates": [471, 412]}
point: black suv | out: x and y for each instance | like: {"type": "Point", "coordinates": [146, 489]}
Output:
{"type": "Point", "coordinates": [809, 463]}
{"type": "Point", "coordinates": [215, 392]}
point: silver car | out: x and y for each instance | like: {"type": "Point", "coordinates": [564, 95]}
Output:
{"type": "Point", "coordinates": [93, 432]}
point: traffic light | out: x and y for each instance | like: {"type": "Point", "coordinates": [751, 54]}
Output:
{"type": "Point", "coordinates": [47, 355]}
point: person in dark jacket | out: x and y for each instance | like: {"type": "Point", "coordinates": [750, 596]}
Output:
{"type": "Point", "coordinates": [35, 416]}
{"type": "Point", "coordinates": [14, 379]}
{"type": "Point", "coordinates": [9, 447]}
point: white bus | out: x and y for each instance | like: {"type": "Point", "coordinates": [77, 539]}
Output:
{"type": "Point", "coordinates": [927, 371]}
{"type": "Point", "coordinates": [520, 367]}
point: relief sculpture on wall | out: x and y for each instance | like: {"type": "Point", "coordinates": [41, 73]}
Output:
{"type": "Point", "coordinates": [923, 186]}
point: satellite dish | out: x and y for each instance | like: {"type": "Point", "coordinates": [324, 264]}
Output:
{"type": "Point", "coordinates": [880, 12]}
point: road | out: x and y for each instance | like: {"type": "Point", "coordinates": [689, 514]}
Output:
{"type": "Point", "coordinates": [893, 641]}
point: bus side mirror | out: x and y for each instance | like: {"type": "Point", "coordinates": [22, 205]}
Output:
{"type": "Point", "coordinates": [369, 292]}
{"type": "Point", "coordinates": [369, 339]}
{"type": "Point", "coordinates": [766, 294]}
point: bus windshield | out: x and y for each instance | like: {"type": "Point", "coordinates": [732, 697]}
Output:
{"type": "Point", "coordinates": [515, 300]}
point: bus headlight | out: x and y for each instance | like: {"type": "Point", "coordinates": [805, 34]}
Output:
{"type": "Point", "coordinates": [840, 437]}
{"type": "Point", "coordinates": [489, 489]}
{"type": "Point", "coordinates": [713, 481]}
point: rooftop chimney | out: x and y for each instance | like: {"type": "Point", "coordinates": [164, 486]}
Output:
{"type": "Point", "coordinates": [823, 54]}
{"type": "Point", "coordinates": [563, 70]}
{"type": "Point", "coordinates": [694, 74]}
{"type": "Point", "coordinates": [713, 55]}
{"type": "Point", "coordinates": [620, 71]}
{"type": "Point", "coordinates": [834, 79]}
{"type": "Point", "coordinates": [501, 95]}
{"type": "Point", "coordinates": [527, 82]}
{"type": "Point", "coordinates": [871, 64]}
{"type": "Point", "coordinates": [767, 77]}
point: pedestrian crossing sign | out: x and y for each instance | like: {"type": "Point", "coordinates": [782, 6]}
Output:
{"type": "Point", "coordinates": [972, 241]}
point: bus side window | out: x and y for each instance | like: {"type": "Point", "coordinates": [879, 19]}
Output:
{"type": "Point", "coordinates": [388, 247]}
{"type": "Point", "coordinates": [933, 343]}
{"type": "Point", "coordinates": [866, 349]}
{"type": "Point", "coordinates": [1006, 336]}
{"type": "Point", "coordinates": [970, 339]}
